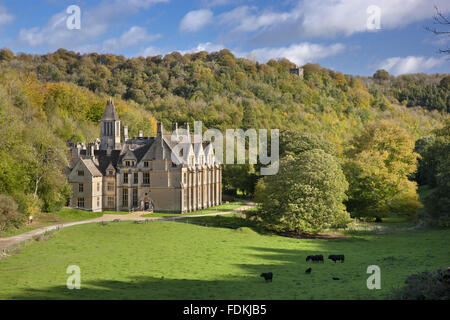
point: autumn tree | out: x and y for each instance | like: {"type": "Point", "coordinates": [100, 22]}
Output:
{"type": "Point", "coordinates": [380, 160]}
{"type": "Point", "coordinates": [438, 203]}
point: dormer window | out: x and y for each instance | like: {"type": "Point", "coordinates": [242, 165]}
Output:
{"type": "Point", "coordinates": [146, 164]}
{"type": "Point", "coordinates": [80, 173]}
{"type": "Point", "coordinates": [129, 163]}
{"type": "Point", "coordinates": [110, 172]}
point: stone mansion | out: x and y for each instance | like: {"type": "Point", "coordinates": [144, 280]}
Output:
{"type": "Point", "coordinates": [139, 173]}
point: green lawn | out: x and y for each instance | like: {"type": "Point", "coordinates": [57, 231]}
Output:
{"type": "Point", "coordinates": [48, 219]}
{"type": "Point", "coordinates": [220, 208]}
{"type": "Point", "coordinates": [70, 215]}
{"type": "Point", "coordinates": [176, 260]}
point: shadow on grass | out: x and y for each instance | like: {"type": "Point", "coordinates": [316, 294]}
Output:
{"type": "Point", "coordinates": [289, 282]}
{"type": "Point", "coordinates": [241, 224]}
{"type": "Point", "coordinates": [232, 221]}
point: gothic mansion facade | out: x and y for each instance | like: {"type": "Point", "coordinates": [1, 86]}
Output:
{"type": "Point", "coordinates": [139, 174]}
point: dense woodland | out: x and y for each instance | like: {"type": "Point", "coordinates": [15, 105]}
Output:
{"type": "Point", "coordinates": [47, 99]}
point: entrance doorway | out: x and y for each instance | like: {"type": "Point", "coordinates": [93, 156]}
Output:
{"type": "Point", "coordinates": [148, 205]}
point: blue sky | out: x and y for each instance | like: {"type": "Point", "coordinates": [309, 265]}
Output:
{"type": "Point", "coordinates": [334, 33]}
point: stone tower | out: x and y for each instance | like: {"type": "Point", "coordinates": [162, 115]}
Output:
{"type": "Point", "coordinates": [110, 128]}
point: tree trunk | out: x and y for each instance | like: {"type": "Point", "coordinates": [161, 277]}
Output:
{"type": "Point", "coordinates": [36, 185]}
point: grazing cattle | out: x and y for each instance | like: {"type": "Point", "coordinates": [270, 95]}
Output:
{"type": "Point", "coordinates": [308, 271]}
{"type": "Point", "coordinates": [267, 276]}
{"type": "Point", "coordinates": [334, 278]}
{"type": "Point", "coordinates": [336, 257]}
{"type": "Point", "coordinates": [316, 258]}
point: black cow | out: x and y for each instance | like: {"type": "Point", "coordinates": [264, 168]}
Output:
{"type": "Point", "coordinates": [267, 276]}
{"type": "Point", "coordinates": [334, 278]}
{"type": "Point", "coordinates": [319, 258]}
{"type": "Point", "coordinates": [308, 271]}
{"type": "Point", "coordinates": [336, 257]}
{"type": "Point", "coordinates": [316, 258]}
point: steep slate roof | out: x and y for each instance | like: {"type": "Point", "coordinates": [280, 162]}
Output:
{"type": "Point", "coordinates": [92, 167]}
{"type": "Point", "coordinates": [105, 160]}
{"type": "Point", "coordinates": [110, 112]}
{"type": "Point", "coordinates": [138, 147]}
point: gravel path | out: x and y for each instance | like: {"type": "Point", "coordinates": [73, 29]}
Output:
{"type": "Point", "coordinates": [10, 241]}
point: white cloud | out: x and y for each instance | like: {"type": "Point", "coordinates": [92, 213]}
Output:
{"type": "Point", "coordinates": [150, 52]}
{"type": "Point", "coordinates": [244, 19]}
{"type": "Point", "coordinates": [135, 36]}
{"type": "Point", "coordinates": [5, 17]}
{"type": "Point", "coordinates": [410, 64]}
{"type": "Point", "coordinates": [95, 21]}
{"type": "Point", "coordinates": [298, 53]}
{"type": "Point", "coordinates": [327, 18]}
{"type": "Point", "coordinates": [195, 20]}
{"type": "Point", "coordinates": [205, 46]}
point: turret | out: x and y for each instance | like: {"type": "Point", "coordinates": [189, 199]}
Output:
{"type": "Point", "coordinates": [110, 128]}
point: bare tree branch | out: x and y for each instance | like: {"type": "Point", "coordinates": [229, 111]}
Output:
{"type": "Point", "coordinates": [441, 20]}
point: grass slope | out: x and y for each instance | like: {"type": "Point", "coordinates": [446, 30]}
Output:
{"type": "Point", "coordinates": [173, 260]}
{"type": "Point", "coordinates": [220, 208]}
{"type": "Point", "coordinates": [69, 215]}
{"type": "Point", "coordinates": [48, 219]}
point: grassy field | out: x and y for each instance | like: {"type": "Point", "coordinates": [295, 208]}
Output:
{"type": "Point", "coordinates": [176, 260]}
{"type": "Point", "coordinates": [70, 215]}
{"type": "Point", "coordinates": [48, 219]}
{"type": "Point", "coordinates": [220, 208]}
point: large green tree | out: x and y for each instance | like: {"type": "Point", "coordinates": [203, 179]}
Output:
{"type": "Point", "coordinates": [305, 196]}
{"type": "Point", "coordinates": [438, 203]}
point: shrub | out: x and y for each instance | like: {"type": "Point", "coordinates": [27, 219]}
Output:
{"type": "Point", "coordinates": [425, 285]}
{"type": "Point", "coordinates": [28, 204]}
{"type": "Point", "coordinates": [9, 214]}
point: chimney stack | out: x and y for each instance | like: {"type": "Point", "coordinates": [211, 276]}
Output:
{"type": "Point", "coordinates": [90, 150]}
{"type": "Point", "coordinates": [125, 133]}
{"type": "Point", "coordinates": [175, 129]}
{"type": "Point", "coordinates": [160, 129]}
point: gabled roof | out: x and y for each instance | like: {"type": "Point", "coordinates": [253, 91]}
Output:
{"type": "Point", "coordinates": [110, 112]}
{"type": "Point", "coordinates": [105, 160]}
{"type": "Point", "coordinates": [90, 165]}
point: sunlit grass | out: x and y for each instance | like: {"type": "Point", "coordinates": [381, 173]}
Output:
{"type": "Point", "coordinates": [179, 260]}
